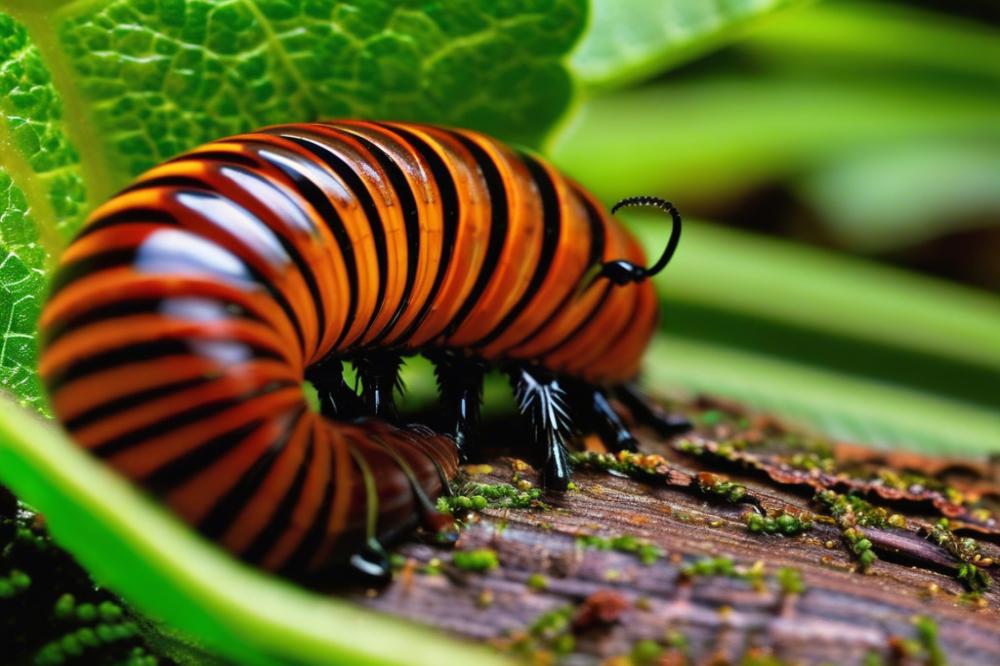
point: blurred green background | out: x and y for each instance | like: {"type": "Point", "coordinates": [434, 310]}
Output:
{"type": "Point", "coordinates": [842, 163]}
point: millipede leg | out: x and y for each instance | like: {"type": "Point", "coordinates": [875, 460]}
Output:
{"type": "Point", "coordinates": [607, 423]}
{"type": "Point", "coordinates": [378, 373]}
{"type": "Point", "coordinates": [540, 397]}
{"type": "Point", "coordinates": [337, 399]}
{"type": "Point", "coordinates": [371, 563]}
{"type": "Point", "coordinates": [460, 383]}
{"type": "Point", "coordinates": [645, 411]}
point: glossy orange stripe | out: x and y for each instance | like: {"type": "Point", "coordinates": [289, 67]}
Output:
{"type": "Point", "coordinates": [309, 503]}
{"type": "Point", "coordinates": [233, 382]}
{"type": "Point", "coordinates": [105, 336]}
{"type": "Point", "coordinates": [143, 459]}
{"type": "Point", "coordinates": [205, 487]}
{"type": "Point", "coordinates": [259, 511]}
{"type": "Point", "coordinates": [80, 395]}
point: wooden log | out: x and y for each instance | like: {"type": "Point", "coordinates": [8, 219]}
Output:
{"type": "Point", "coordinates": [655, 562]}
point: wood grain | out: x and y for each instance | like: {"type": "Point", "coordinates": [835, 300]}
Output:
{"type": "Point", "coordinates": [843, 616]}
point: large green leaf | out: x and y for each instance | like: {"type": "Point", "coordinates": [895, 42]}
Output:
{"type": "Point", "coordinates": [92, 93]}
{"type": "Point", "coordinates": [878, 200]}
{"type": "Point", "coordinates": [630, 40]}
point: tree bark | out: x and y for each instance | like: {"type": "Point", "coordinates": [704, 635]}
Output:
{"type": "Point", "coordinates": [559, 595]}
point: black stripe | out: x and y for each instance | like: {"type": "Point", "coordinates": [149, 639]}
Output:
{"type": "Point", "coordinates": [355, 184]}
{"type": "Point", "coordinates": [450, 213]}
{"type": "Point", "coordinates": [91, 263]}
{"type": "Point", "coordinates": [552, 228]}
{"type": "Point", "coordinates": [138, 215]}
{"type": "Point", "coordinates": [411, 226]}
{"type": "Point", "coordinates": [217, 156]}
{"type": "Point", "coordinates": [596, 224]}
{"type": "Point", "coordinates": [167, 181]}
{"type": "Point", "coordinates": [298, 562]}
{"type": "Point", "coordinates": [181, 469]}
{"type": "Point", "coordinates": [300, 262]}
{"type": "Point", "coordinates": [143, 351]}
{"type": "Point", "coordinates": [498, 228]}
{"type": "Point", "coordinates": [114, 407]}
{"type": "Point", "coordinates": [113, 310]}
{"type": "Point", "coordinates": [173, 422]}
{"type": "Point", "coordinates": [314, 195]}
{"type": "Point", "coordinates": [282, 517]}
{"type": "Point", "coordinates": [225, 511]}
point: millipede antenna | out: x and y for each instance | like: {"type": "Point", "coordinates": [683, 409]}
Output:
{"type": "Point", "coordinates": [622, 272]}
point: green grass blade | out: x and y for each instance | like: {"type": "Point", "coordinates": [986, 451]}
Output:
{"type": "Point", "coordinates": [816, 290]}
{"type": "Point", "coordinates": [843, 406]}
{"type": "Point", "coordinates": [719, 136]}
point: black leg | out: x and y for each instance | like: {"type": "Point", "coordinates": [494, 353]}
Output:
{"type": "Point", "coordinates": [337, 399]}
{"type": "Point", "coordinates": [378, 373]}
{"type": "Point", "coordinates": [540, 397]}
{"type": "Point", "coordinates": [646, 412]}
{"type": "Point", "coordinates": [371, 564]}
{"type": "Point", "coordinates": [460, 383]}
{"type": "Point", "coordinates": [608, 424]}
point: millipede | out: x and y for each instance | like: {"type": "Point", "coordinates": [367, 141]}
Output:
{"type": "Point", "coordinates": [186, 316]}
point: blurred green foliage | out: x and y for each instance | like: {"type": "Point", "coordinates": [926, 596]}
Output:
{"type": "Point", "coordinates": [862, 128]}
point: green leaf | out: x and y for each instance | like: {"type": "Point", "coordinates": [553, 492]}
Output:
{"type": "Point", "coordinates": [819, 291]}
{"type": "Point", "coordinates": [22, 278]}
{"type": "Point", "coordinates": [39, 182]}
{"type": "Point", "coordinates": [131, 544]}
{"type": "Point", "coordinates": [155, 78]}
{"type": "Point", "coordinates": [629, 40]}
{"type": "Point", "coordinates": [881, 38]}
{"type": "Point", "coordinates": [93, 93]}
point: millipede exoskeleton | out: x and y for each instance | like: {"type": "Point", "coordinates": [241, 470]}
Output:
{"type": "Point", "coordinates": [186, 315]}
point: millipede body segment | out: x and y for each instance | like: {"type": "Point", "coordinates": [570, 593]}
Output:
{"type": "Point", "coordinates": [186, 315]}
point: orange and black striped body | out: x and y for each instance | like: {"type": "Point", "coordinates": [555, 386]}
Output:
{"type": "Point", "coordinates": [188, 312]}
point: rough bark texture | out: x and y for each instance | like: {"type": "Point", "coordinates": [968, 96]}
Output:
{"type": "Point", "coordinates": [558, 598]}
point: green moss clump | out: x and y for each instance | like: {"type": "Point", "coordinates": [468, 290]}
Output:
{"type": "Point", "coordinates": [474, 497]}
{"type": "Point", "coordinates": [927, 636]}
{"type": "Point", "coordinates": [646, 653]}
{"type": "Point", "coordinates": [712, 485]}
{"type": "Point", "coordinates": [852, 513]}
{"type": "Point", "coordinates": [971, 571]}
{"type": "Point", "coordinates": [628, 463]}
{"type": "Point", "coordinates": [647, 552]}
{"type": "Point", "coordinates": [50, 610]}
{"type": "Point", "coordinates": [783, 523]}
{"type": "Point", "coordinates": [790, 580]}
{"type": "Point", "coordinates": [483, 559]}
